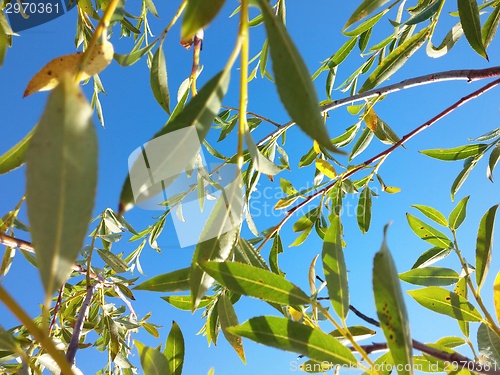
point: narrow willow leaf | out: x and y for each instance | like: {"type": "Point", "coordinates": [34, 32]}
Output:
{"type": "Point", "coordinates": [15, 157]}
{"type": "Point", "coordinates": [326, 168]}
{"type": "Point", "coordinates": [431, 256]}
{"type": "Point", "coordinates": [335, 269]}
{"type": "Point", "coordinates": [260, 162]}
{"type": "Point", "coordinates": [115, 262]}
{"type": "Point", "coordinates": [430, 276]}
{"type": "Point", "coordinates": [488, 344]}
{"type": "Point", "coordinates": [445, 302]}
{"type": "Point", "coordinates": [174, 281]}
{"type": "Point", "coordinates": [197, 15]}
{"type": "Point", "coordinates": [245, 252]}
{"type": "Point", "coordinates": [61, 182]}
{"type": "Point", "coordinates": [456, 153]}
{"type": "Point", "coordinates": [198, 113]}
{"type": "Point", "coordinates": [395, 60]}
{"type": "Point", "coordinates": [496, 295]}
{"type": "Point", "coordinates": [364, 210]}
{"type": "Point", "coordinates": [307, 221]}
{"type": "Point", "coordinates": [457, 216]}
{"type": "Point", "coordinates": [391, 309]}
{"type": "Point", "coordinates": [462, 290]}
{"type": "Point", "coordinates": [365, 27]}
{"type": "Point", "coordinates": [362, 143]}
{"type": "Point", "coordinates": [295, 337]}
{"type": "Point", "coordinates": [256, 282]}
{"type": "Point", "coordinates": [227, 318]}
{"type": "Point", "coordinates": [363, 10]}
{"type": "Point", "coordinates": [134, 56]}
{"type": "Point", "coordinates": [301, 238]}
{"type": "Point", "coordinates": [184, 302]}
{"type": "Point", "coordinates": [424, 13]}
{"type": "Point", "coordinates": [158, 79]}
{"type": "Point", "coordinates": [174, 349]}
{"type": "Point", "coordinates": [285, 202]}
{"type": "Point", "coordinates": [463, 175]}
{"type": "Point", "coordinates": [432, 214]}
{"type": "Point", "coordinates": [347, 137]}
{"type": "Point", "coordinates": [428, 233]}
{"type": "Point", "coordinates": [276, 249]}
{"type": "Point", "coordinates": [451, 341]}
{"type": "Point", "coordinates": [153, 362]}
{"type": "Point", "coordinates": [471, 24]}
{"type": "Point", "coordinates": [447, 44]}
{"type": "Point", "coordinates": [490, 27]}
{"type": "Point", "coordinates": [494, 157]}
{"type": "Point", "coordinates": [287, 187]}
{"type": "Point", "coordinates": [484, 245]}
{"type": "Point", "coordinates": [342, 53]}
{"type": "Point", "coordinates": [220, 233]}
{"type": "Point", "coordinates": [293, 81]}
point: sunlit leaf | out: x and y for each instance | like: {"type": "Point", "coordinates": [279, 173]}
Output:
{"type": "Point", "coordinates": [471, 24]}
{"type": "Point", "coordinates": [184, 302]}
{"type": "Point", "coordinates": [463, 175]}
{"type": "Point", "coordinates": [256, 282]}
{"type": "Point", "coordinates": [428, 233]}
{"type": "Point", "coordinates": [15, 157]}
{"type": "Point", "coordinates": [456, 153]}
{"type": "Point", "coordinates": [490, 27]}
{"type": "Point", "coordinates": [395, 60]}
{"type": "Point", "coordinates": [364, 210]}
{"type": "Point", "coordinates": [307, 221]}
{"type": "Point", "coordinates": [276, 249]}
{"type": "Point", "coordinates": [175, 281]}
{"type": "Point", "coordinates": [174, 349]}
{"type": "Point", "coordinates": [363, 10]}
{"type": "Point", "coordinates": [457, 216]}
{"type": "Point", "coordinates": [245, 252]}
{"type": "Point", "coordinates": [430, 276]}
{"type": "Point", "coordinates": [293, 80]}
{"type": "Point", "coordinates": [432, 214]}
{"type": "Point", "coordinates": [61, 181]}
{"type": "Point", "coordinates": [197, 15]}
{"type": "Point", "coordinates": [134, 56]}
{"type": "Point", "coordinates": [295, 337]}
{"type": "Point", "coordinates": [153, 362]}
{"type": "Point", "coordinates": [431, 256]}
{"type": "Point", "coordinates": [335, 269]}
{"type": "Point", "coordinates": [493, 160]}
{"type": "Point", "coordinates": [484, 245]}
{"type": "Point", "coordinates": [362, 143]}
{"type": "Point", "coordinates": [447, 44]}
{"type": "Point", "coordinates": [391, 309]}
{"type": "Point", "coordinates": [158, 79]}
{"type": "Point", "coordinates": [326, 168]}
{"type": "Point", "coordinates": [461, 288]}
{"type": "Point", "coordinates": [488, 344]}
{"type": "Point", "coordinates": [496, 295]}
{"type": "Point", "coordinates": [227, 318]}
{"type": "Point", "coordinates": [445, 302]}
{"type": "Point", "coordinates": [261, 163]}
{"type": "Point", "coordinates": [115, 262]}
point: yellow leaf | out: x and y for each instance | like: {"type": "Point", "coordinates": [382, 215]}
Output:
{"type": "Point", "coordinates": [295, 314]}
{"type": "Point", "coordinates": [496, 296]}
{"type": "Point", "coordinates": [326, 168]}
{"type": "Point", "coordinates": [50, 75]}
{"type": "Point", "coordinates": [392, 189]}
{"type": "Point", "coordinates": [316, 148]}
{"type": "Point", "coordinates": [371, 120]}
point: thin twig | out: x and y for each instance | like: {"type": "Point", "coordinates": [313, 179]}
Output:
{"type": "Point", "coordinates": [379, 156]}
{"type": "Point", "coordinates": [77, 330]}
{"type": "Point", "coordinates": [254, 115]}
{"type": "Point", "coordinates": [56, 309]}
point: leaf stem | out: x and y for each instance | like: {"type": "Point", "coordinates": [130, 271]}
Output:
{"type": "Point", "coordinates": [39, 335]}
{"type": "Point", "coordinates": [243, 35]}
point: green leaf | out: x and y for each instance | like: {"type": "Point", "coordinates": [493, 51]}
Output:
{"type": "Point", "coordinates": [153, 362]}
{"type": "Point", "coordinates": [362, 143]}
{"type": "Point", "coordinates": [462, 289]}
{"type": "Point", "coordinates": [395, 60]}
{"type": "Point", "coordinates": [430, 276]}
{"type": "Point", "coordinates": [260, 162]}
{"type": "Point", "coordinates": [134, 56]}
{"type": "Point", "coordinates": [335, 269]}
{"type": "Point", "coordinates": [227, 318]}
{"type": "Point", "coordinates": [245, 252]}
{"type": "Point", "coordinates": [451, 341]}
{"type": "Point", "coordinates": [219, 236]}
{"type": "Point", "coordinates": [364, 210]}
{"type": "Point", "coordinates": [391, 309]}
{"type": "Point", "coordinates": [256, 282]}
{"type": "Point", "coordinates": [158, 79]}
{"type": "Point", "coordinates": [457, 216]}
{"type": "Point", "coordinates": [363, 10]}
{"type": "Point", "coordinates": [287, 187]}
{"type": "Point", "coordinates": [456, 153]}
{"type": "Point", "coordinates": [199, 113]}
{"type": "Point", "coordinates": [295, 337]}
{"type": "Point", "coordinates": [307, 221]}
{"type": "Point", "coordinates": [471, 24]}
{"type": "Point", "coordinates": [175, 281]}
{"type": "Point", "coordinates": [494, 157]}
{"type": "Point", "coordinates": [488, 344]}
{"type": "Point", "coordinates": [197, 15]}
{"type": "Point", "coordinates": [15, 157]}
{"type": "Point", "coordinates": [445, 302]}
{"type": "Point", "coordinates": [432, 214]}
{"type": "Point", "coordinates": [425, 13]}
{"type": "Point", "coordinates": [184, 302]}
{"type": "Point", "coordinates": [174, 349]}
{"type": "Point", "coordinates": [484, 245]}
{"type": "Point", "coordinates": [463, 175]}
{"type": "Point", "coordinates": [490, 27]}
{"type": "Point", "coordinates": [431, 256]}
{"type": "Point", "coordinates": [365, 28]}
{"type": "Point", "coordinates": [276, 249]}
{"type": "Point", "coordinates": [447, 44]}
{"type": "Point", "coordinates": [428, 233]}
{"type": "Point", "coordinates": [115, 262]}
{"type": "Point", "coordinates": [301, 238]}
{"type": "Point", "coordinates": [293, 80]}
{"type": "Point", "coordinates": [61, 182]}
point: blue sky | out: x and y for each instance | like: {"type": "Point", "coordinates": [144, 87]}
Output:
{"type": "Point", "coordinates": [132, 116]}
